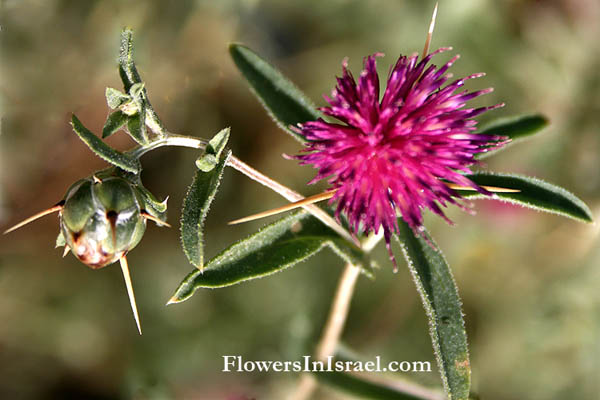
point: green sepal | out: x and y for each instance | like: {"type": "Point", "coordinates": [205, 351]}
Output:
{"type": "Point", "coordinates": [275, 247]}
{"type": "Point", "coordinates": [533, 193]}
{"type": "Point", "coordinates": [114, 122]}
{"type": "Point", "coordinates": [103, 150]}
{"type": "Point", "coordinates": [442, 304]}
{"type": "Point", "coordinates": [115, 98]}
{"type": "Point", "coordinates": [152, 205]}
{"type": "Point", "coordinates": [284, 102]}
{"type": "Point", "coordinates": [195, 208]}
{"type": "Point", "coordinates": [60, 240]}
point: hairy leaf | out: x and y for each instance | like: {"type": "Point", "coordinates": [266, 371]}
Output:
{"type": "Point", "coordinates": [113, 123]}
{"type": "Point", "coordinates": [534, 193]}
{"type": "Point", "coordinates": [439, 295]}
{"type": "Point", "coordinates": [103, 150]}
{"type": "Point", "coordinates": [195, 208]}
{"type": "Point", "coordinates": [284, 102]}
{"type": "Point", "coordinates": [273, 248]}
{"type": "Point", "coordinates": [515, 128]}
{"type": "Point", "coordinates": [114, 97]}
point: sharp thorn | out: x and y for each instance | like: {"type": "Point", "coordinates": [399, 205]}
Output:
{"type": "Point", "coordinates": [493, 189]}
{"type": "Point", "coordinates": [66, 251]}
{"type": "Point", "coordinates": [309, 200]}
{"type": "Point", "coordinates": [41, 214]}
{"type": "Point", "coordinates": [172, 300]}
{"type": "Point", "coordinates": [127, 278]}
{"type": "Point", "coordinates": [430, 32]}
{"type": "Point", "coordinates": [158, 221]}
{"type": "Point", "coordinates": [165, 201]}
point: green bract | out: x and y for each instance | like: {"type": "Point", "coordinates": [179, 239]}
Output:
{"type": "Point", "coordinates": [103, 218]}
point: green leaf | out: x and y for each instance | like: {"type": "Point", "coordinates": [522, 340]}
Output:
{"type": "Point", "coordinates": [114, 97]}
{"type": "Point", "coordinates": [103, 150]}
{"type": "Point", "coordinates": [365, 388]}
{"type": "Point", "coordinates": [217, 144]}
{"type": "Point", "coordinates": [515, 128]}
{"type": "Point", "coordinates": [207, 162]}
{"type": "Point", "coordinates": [534, 193]}
{"type": "Point", "coordinates": [439, 295]}
{"type": "Point", "coordinates": [113, 123]}
{"type": "Point", "coordinates": [209, 159]}
{"type": "Point", "coordinates": [284, 102]}
{"type": "Point", "coordinates": [273, 248]}
{"type": "Point", "coordinates": [136, 126]}
{"type": "Point", "coordinates": [195, 208]}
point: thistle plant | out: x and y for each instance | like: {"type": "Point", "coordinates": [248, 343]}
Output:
{"type": "Point", "coordinates": [388, 157]}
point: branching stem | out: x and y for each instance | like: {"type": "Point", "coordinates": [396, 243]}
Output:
{"type": "Point", "coordinates": [171, 139]}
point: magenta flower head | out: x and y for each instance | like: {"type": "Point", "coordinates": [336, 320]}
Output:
{"type": "Point", "coordinates": [398, 152]}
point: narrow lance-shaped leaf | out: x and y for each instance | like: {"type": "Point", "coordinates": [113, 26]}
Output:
{"type": "Point", "coordinates": [103, 150]}
{"type": "Point", "coordinates": [439, 295]}
{"type": "Point", "coordinates": [273, 248]}
{"type": "Point", "coordinates": [284, 102]}
{"type": "Point", "coordinates": [533, 193]}
{"type": "Point", "coordinates": [195, 208]}
{"type": "Point", "coordinates": [515, 128]}
{"type": "Point", "coordinates": [114, 122]}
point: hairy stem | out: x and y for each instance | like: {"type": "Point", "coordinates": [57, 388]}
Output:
{"type": "Point", "coordinates": [172, 139]}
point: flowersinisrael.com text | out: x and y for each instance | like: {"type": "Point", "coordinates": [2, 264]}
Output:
{"type": "Point", "coordinates": [238, 364]}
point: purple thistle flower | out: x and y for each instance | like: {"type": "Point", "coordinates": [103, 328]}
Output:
{"type": "Point", "coordinates": [400, 151]}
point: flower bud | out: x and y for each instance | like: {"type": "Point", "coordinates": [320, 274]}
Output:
{"type": "Point", "coordinates": [102, 219]}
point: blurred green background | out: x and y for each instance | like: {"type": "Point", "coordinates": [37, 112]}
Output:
{"type": "Point", "coordinates": [529, 281]}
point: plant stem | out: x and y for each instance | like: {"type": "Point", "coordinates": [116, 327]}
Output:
{"type": "Point", "coordinates": [341, 304]}
{"type": "Point", "coordinates": [171, 139]}
{"type": "Point", "coordinates": [332, 331]}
